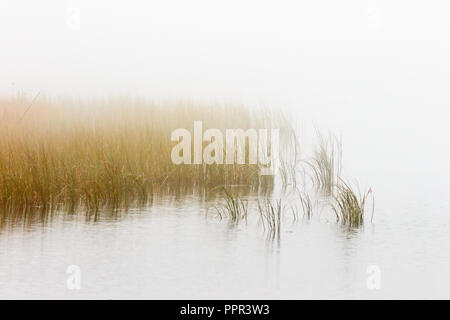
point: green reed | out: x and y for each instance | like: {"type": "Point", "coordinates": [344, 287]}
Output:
{"type": "Point", "coordinates": [350, 207]}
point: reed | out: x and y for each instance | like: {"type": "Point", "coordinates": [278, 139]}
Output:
{"type": "Point", "coordinates": [235, 208]}
{"type": "Point", "coordinates": [68, 154]}
{"type": "Point", "coordinates": [306, 204]}
{"type": "Point", "coordinates": [326, 164]}
{"type": "Point", "coordinates": [270, 214]}
{"type": "Point", "coordinates": [349, 207]}
{"type": "Point", "coordinates": [289, 161]}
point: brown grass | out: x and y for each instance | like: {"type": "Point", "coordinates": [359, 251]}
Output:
{"type": "Point", "coordinates": [107, 153]}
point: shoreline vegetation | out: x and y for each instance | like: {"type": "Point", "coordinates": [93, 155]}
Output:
{"type": "Point", "coordinates": [69, 155]}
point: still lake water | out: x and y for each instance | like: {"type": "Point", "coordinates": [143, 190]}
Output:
{"type": "Point", "coordinates": [172, 250]}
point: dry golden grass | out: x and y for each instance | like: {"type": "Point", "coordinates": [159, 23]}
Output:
{"type": "Point", "coordinates": [68, 154]}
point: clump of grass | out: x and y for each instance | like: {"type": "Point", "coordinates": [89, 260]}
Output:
{"type": "Point", "coordinates": [348, 207]}
{"type": "Point", "coordinates": [235, 208]}
{"type": "Point", "coordinates": [271, 217]}
{"type": "Point", "coordinates": [326, 164]}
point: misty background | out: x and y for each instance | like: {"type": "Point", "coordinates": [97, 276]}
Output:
{"type": "Point", "coordinates": [375, 72]}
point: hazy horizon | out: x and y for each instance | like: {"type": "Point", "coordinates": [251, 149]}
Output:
{"type": "Point", "coordinates": [378, 68]}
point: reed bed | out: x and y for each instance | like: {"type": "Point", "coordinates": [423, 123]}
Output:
{"type": "Point", "coordinates": [68, 154]}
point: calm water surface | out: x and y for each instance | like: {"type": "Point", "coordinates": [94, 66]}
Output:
{"type": "Point", "coordinates": [173, 250]}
